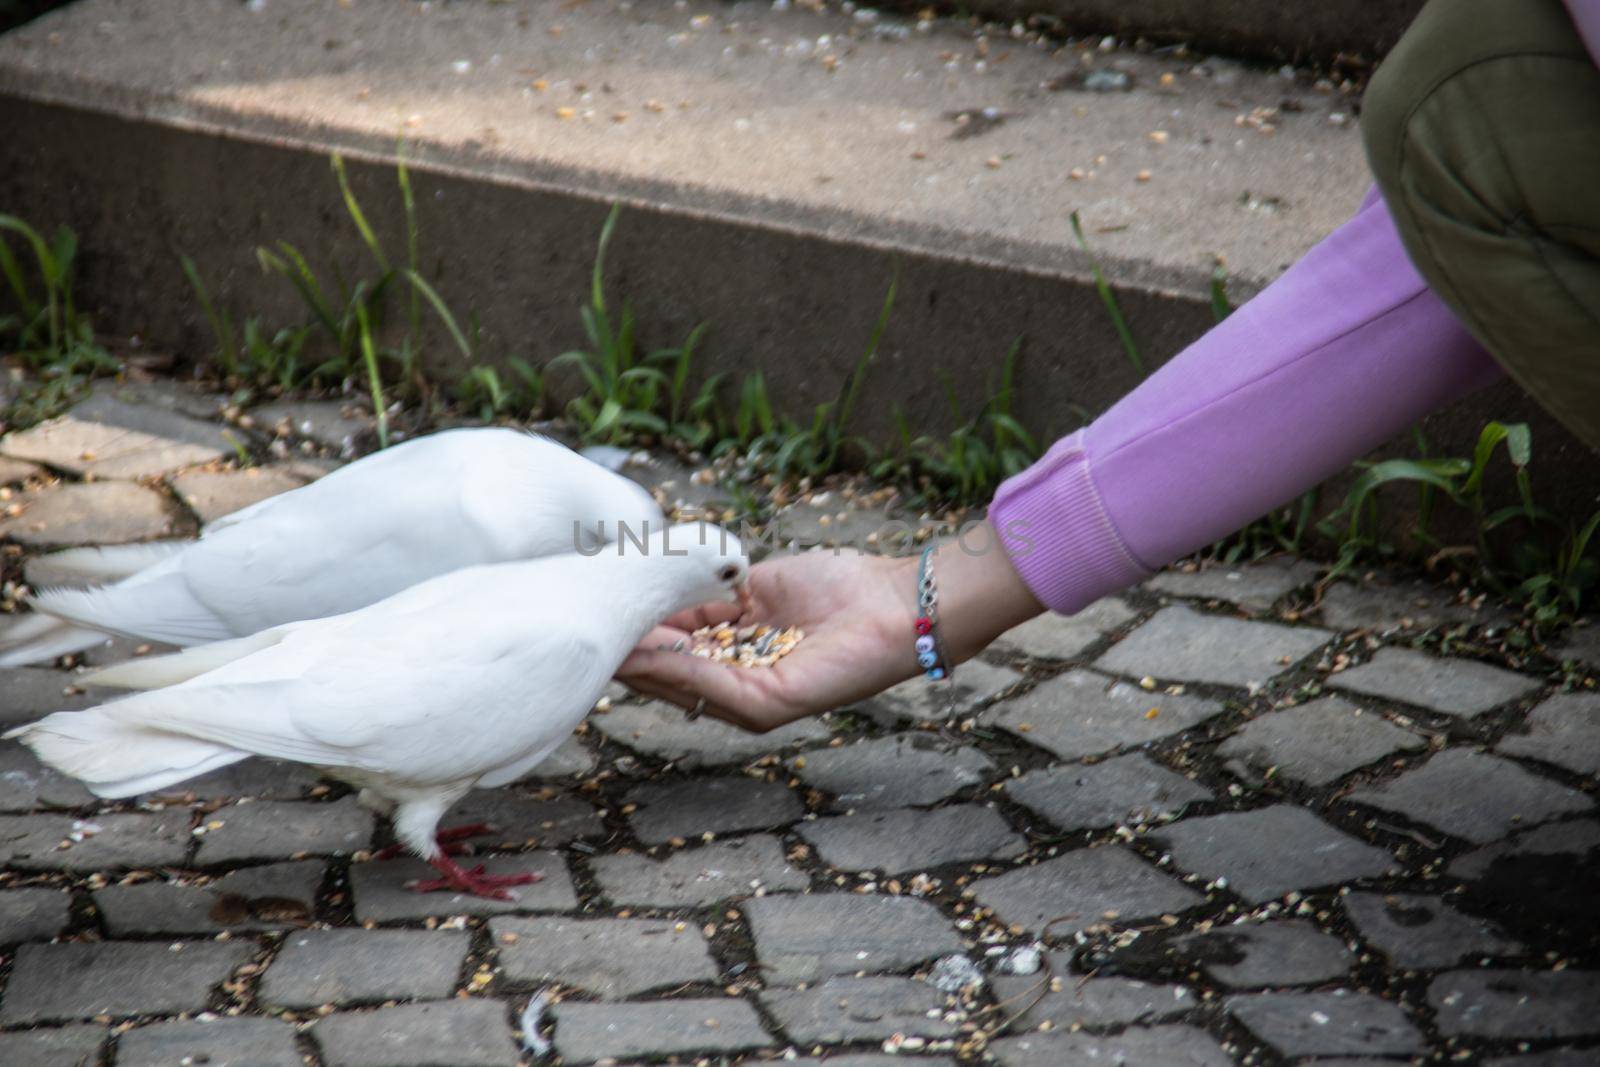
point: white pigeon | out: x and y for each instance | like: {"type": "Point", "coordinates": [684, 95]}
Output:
{"type": "Point", "coordinates": [465, 680]}
{"type": "Point", "coordinates": [384, 523]}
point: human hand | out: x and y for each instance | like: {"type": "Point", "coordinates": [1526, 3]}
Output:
{"type": "Point", "coordinates": [858, 614]}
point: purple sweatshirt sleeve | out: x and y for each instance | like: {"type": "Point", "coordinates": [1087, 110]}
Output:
{"type": "Point", "coordinates": [1586, 17]}
{"type": "Point", "coordinates": [1344, 352]}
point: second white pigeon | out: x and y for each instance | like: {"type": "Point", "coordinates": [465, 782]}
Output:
{"type": "Point", "coordinates": [466, 680]}
{"type": "Point", "coordinates": [382, 524]}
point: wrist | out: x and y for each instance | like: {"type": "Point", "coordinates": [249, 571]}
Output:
{"type": "Point", "coordinates": [981, 595]}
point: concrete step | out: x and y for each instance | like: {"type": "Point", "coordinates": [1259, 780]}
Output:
{"type": "Point", "coordinates": [776, 162]}
{"type": "Point", "coordinates": [1326, 31]}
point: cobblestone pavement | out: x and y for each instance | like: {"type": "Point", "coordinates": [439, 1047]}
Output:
{"type": "Point", "coordinates": [1209, 822]}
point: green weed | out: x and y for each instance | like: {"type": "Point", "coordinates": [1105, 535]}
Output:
{"type": "Point", "coordinates": [346, 321]}
{"type": "Point", "coordinates": [1103, 287]}
{"type": "Point", "coordinates": [45, 329]}
{"type": "Point", "coordinates": [627, 393]}
{"type": "Point", "coordinates": [981, 452]}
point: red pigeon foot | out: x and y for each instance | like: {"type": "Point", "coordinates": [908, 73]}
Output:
{"type": "Point", "coordinates": [474, 881]}
{"type": "Point", "coordinates": [447, 840]}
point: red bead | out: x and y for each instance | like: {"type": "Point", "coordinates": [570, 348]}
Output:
{"type": "Point", "coordinates": [924, 624]}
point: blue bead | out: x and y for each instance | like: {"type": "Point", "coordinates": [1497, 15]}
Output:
{"type": "Point", "coordinates": [936, 674]}
{"type": "Point", "coordinates": [927, 659]}
{"type": "Point", "coordinates": [924, 644]}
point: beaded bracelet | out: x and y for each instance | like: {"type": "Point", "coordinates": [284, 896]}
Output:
{"type": "Point", "coordinates": [930, 645]}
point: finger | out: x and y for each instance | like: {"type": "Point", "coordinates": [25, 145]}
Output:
{"type": "Point", "coordinates": [712, 614]}
{"type": "Point", "coordinates": [717, 682]}
{"type": "Point", "coordinates": [665, 638]}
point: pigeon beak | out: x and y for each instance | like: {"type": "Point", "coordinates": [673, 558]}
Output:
{"type": "Point", "coordinates": [746, 598]}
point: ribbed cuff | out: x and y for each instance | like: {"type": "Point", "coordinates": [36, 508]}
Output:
{"type": "Point", "coordinates": [1054, 528]}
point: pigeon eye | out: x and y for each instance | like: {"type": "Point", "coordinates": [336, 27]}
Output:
{"type": "Point", "coordinates": [728, 573]}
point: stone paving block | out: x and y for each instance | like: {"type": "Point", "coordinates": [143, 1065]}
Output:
{"type": "Point", "coordinates": [1081, 713]}
{"type": "Point", "coordinates": [694, 877]}
{"type": "Point", "coordinates": [661, 730]}
{"type": "Point", "coordinates": [896, 841]}
{"type": "Point", "coordinates": [687, 809]}
{"type": "Point", "coordinates": [382, 895]}
{"type": "Point", "coordinates": [1286, 952]}
{"type": "Point", "coordinates": [1517, 1004]}
{"type": "Point", "coordinates": [889, 772]}
{"type": "Point", "coordinates": [315, 967]}
{"type": "Point", "coordinates": [1385, 603]}
{"type": "Point", "coordinates": [1166, 1046]}
{"type": "Point", "coordinates": [1316, 743]}
{"type": "Point", "coordinates": [517, 818]}
{"type": "Point", "coordinates": [60, 982]}
{"type": "Point", "coordinates": [1254, 587]}
{"type": "Point", "coordinates": [872, 1059]}
{"type": "Point", "coordinates": [1581, 643]}
{"type": "Point", "coordinates": [281, 829]}
{"type": "Point", "coordinates": [68, 1046]}
{"type": "Point", "coordinates": [33, 914]}
{"type": "Point", "coordinates": [1053, 636]}
{"type": "Point", "coordinates": [1082, 1000]}
{"type": "Point", "coordinates": [73, 444]}
{"type": "Point", "coordinates": [612, 958]}
{"type": "Point", "coordinates": [1473, 796]}
{"type": "Point", "coordinates": [847, 524]}
{"type": "Point", "coordinates": [466, 1032]}
{"type": "Point", "coordinates": [213, 1042]}
{"type": "Point", "coordinates": [1575, 838]}
{"type": "Point", "coordinates": [259, 779]}
{"type": "Point", "coordinates": [1460, 687]}
{"type": "Point", "coordinates": [1418, 931]}
{"type": "Point", "coordinates": [589, 1032]}
{"type": "Point", "coordinates": [1574, 1057]}
{"type": "Point", "coordinates": [333, 424]}
{"type": "Point", "coordinates": [1179, 644]}
{"type": "Point", "coordinates": [801, 938]}
{"type": "Point", "coordinates": [273, 897]}
{"type": "Point", "coordinates": [570, 758]}
{"type": "Point", "coordinates": [97, 513]}
{"type": "Point", "coordinates": [29, 693]}
{"type": "Point", "coordinates": [98, 842]}
{"type": "Point", "coordinates": [15, 471]}
{"type": "Point", "coordinates": [1336, 1023]}
{"type": "Point", "coordinates": [1125, 789]}
{"type": "Point", "coordinates": [1079, 888]}
{"type": "Point", "coordinates": [974, 684]}
{"type": "Point", "coordinates": [28, 785]}
{"type": "Point", "coordinates": [211, 494]}
{"type": "Point", "coordinates": [1564, 730]}
{"type": "Point", "coordinates": [1268, 852]}
{"type": "Point", "coordinates": [163, 408]}
{"type": "Point", "coordinates": [844, 1010]}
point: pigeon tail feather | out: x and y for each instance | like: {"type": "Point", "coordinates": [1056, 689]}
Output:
{"type": "Point", "coordinates": [162, 609]}
{"type": "Point", "coordinates": [117, 757]}
{"type": "Point", "coordinates": [111, 563]}
{"type": "Point", "coordinates": [37, 638]}
{"type": "Point", "coordinates": [157, 671]}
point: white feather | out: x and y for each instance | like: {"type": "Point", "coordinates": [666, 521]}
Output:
{"type": "Point", "coordinates": [33, 638]}
{"type": "Point", "coordinates": [427, 507]}
{"type": "Point", "coordinates": [153, 672]}
{"type": "Point", "coordinates": [107, 563]}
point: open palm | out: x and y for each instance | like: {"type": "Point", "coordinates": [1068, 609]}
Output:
{"type": "Point", "coordinates": [856, 611]}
